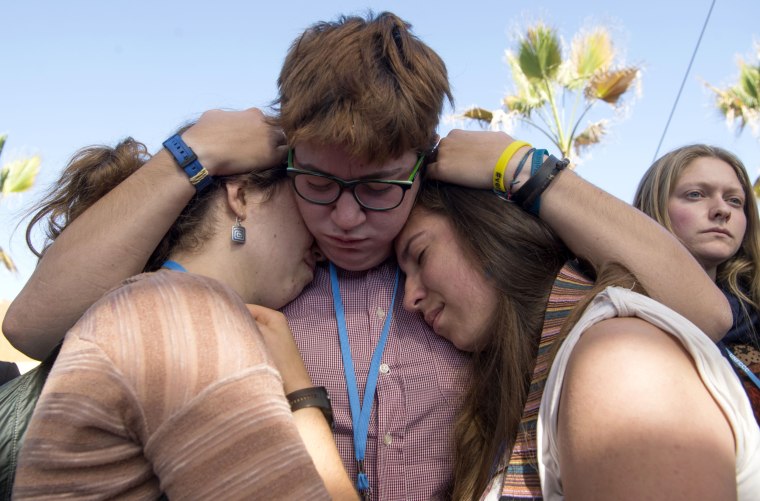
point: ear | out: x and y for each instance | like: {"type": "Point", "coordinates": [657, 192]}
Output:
{"type": "Point", "coordinates": [236, 199]}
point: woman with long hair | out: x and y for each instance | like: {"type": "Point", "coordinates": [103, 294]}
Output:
{"type": "Point", "coordinates": [702, 194]}
{"type": "Point", "coordinates": [174, 382]}
{"type": "Point", "coordinates": [584, 386]}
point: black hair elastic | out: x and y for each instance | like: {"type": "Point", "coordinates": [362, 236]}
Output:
{"type": "Point", "coordinates": [528, 197]}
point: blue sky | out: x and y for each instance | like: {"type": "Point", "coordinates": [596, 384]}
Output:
{"type": "Point", "coordinates": [78, 72]}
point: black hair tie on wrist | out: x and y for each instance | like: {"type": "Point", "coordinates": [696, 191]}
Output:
{"type": "Point", "coordinates": [528, 197]}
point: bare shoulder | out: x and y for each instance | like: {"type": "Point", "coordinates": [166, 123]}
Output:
{"type": "Point", "coordinates": [633, 407]}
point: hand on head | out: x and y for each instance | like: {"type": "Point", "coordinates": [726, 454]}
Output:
{"type": "Point", "coordinates": [234, 142]}
{"type": "Point", "coordinates": [467, 158]}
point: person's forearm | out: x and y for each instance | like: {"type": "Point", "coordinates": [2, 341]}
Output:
{"type": "Point", "coordinates": [320, 445]}
{"type": "Point", "coordinates": [114, 238]}
{"type": "Point", "coordinates": [109, 242]}
{"type": "Point", "coordinates": [596, 226]}
{"type": "Point", "coordinates": [602, 229]}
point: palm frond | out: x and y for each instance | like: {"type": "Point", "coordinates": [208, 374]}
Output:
{"type": "Point", "coordinates": [590, 53]}
{"type": "Point", "coordinates": [593, 134]}
{"type": "Point", "coordinates": [480, 114]}
{"type": "Point", "coordinates": [7, 261]}
{"type": "Point", "coordinates": [539, 53]}
{"type": "Point", "coordinates": [19, 175]}
{"type": "Point", "coordinates": [609, 86]}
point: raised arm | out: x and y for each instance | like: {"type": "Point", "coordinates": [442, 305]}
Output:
{"type": "Point", "coordinates": [115, 237]}
{"type": "Point", "coordinates": [597, 227]}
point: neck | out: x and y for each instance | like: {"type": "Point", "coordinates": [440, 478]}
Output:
{"type": "Point", "coordinates": [218, 261]}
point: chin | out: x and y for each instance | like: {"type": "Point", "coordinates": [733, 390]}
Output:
{"type": "Point", "coordinates": [360, 262]}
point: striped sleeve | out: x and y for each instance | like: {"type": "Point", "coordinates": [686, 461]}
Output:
{"type": "Point", "coordinates": [164, 386]}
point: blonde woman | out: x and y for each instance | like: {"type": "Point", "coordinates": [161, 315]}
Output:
{"type": "Point", "coordinates": [703, 195]}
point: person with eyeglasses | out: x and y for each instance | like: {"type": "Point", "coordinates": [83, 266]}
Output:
{"type": "Point", "coordinates": [372, 194]}
{"type": "Point", "coordinates": [359, 103]}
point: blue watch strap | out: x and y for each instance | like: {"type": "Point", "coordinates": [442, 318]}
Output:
{"type": "Point", "coordinates": [188, 161]}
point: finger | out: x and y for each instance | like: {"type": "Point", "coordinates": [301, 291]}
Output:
{"type": "Point", "coordinates": [432, 171]}
{"type": "Point", "coordinates": [271, 319]}
{"type": "Point", "coordinates": [281, 153]}
{"type": "Point", "coordinates": [261, 314]}
{"type": "Point", "coordinates": [279, 136]}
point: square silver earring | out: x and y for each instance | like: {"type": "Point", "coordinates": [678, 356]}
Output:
{"type": "Point", "coordinates": [238, 232]}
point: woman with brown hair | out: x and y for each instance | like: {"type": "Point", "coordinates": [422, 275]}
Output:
{"type": "Point", "coordinates": [583, 387]}
{"type": "Point", "coordinates": [171, 383]}
{"type": "Point", "coordinates": [702, 194]}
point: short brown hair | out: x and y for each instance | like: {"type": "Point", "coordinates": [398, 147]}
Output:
{"type": "Point", "coordinates": [366, 84]}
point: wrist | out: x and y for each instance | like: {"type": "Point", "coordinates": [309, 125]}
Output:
{"type": "Point", "coordinates": [295, 383]}
{"type": "Point", "coordinates": [518, 170]}
{"type": "Point", "coordinates": [312, 397]}
{"type": "Point", "coordinates": [187, 160]}
{"type": "Point", "coordinates": [195, 140]}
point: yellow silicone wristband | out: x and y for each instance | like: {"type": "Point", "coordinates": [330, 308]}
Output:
{"type": "Point", "coordinates": [501, 164]}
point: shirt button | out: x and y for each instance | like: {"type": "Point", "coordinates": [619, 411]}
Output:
{"type": "Point", "coordinates": [380, 313]}
{"type": "Point", "coordinates": [384, 369]}
{"type": "Point", "coordinates": [387, 439]}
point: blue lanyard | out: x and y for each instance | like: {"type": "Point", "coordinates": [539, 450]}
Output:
{"type": "Point", "coordinates": [360, 414]}
{"type": "Point", "coordinates": [173, 265]}
{"type": "Point", "coordinates": [740, 365]}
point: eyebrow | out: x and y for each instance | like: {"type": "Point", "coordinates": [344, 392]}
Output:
{"type": "Point", "coordinates": [706, 185]}
{"type": "Point", "coordinates": [394, 172]}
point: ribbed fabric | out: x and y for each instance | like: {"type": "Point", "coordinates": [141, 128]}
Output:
{"type": "Point", "coordinates": [164, 385]}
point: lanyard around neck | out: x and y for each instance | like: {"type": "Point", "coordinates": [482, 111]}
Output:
{"type": "Point", "coordinates": [173, 265]}
{"type": "Point", "coordinates": [360, 414]}
{"type": "Point", "coordinates": [739, 364]}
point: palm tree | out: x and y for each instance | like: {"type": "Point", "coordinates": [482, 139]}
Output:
{"type": "Point", "coordinates": [555, 95]}
{"type": "Point", "coordinates": [15, 177]}
{"type": "Point", "coordinates": [741, 101]}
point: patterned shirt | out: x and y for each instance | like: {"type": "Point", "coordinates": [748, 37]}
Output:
{"type": "Point", "coordinates": [517, 475]}
{"type": "Point", "coordinates": [421, 381]}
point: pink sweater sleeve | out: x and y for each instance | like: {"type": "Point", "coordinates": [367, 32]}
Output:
{"type": "Point", "coordinates": [164, 385]}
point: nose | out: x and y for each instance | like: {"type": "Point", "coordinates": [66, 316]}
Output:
{"type": "Point", "coordinates": [414, 293]}
{"type": "Point", "coordinates": [347, 214]}
{"type": "Point", "coordinates": [721, 210]}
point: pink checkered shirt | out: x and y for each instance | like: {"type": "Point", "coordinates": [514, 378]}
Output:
{"type": "Point", "coordinates": [421, 380]}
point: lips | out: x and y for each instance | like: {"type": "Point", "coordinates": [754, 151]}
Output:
{"type": "Point", "coordinates": [722, 231]}
{"type": "Point", "coordinates": [345, 242]}
{"type": "Point", "coordinates": [431, 317]}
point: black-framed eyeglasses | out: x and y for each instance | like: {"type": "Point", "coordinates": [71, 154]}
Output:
{"type": "Point", "coordinates": [372, 194]}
